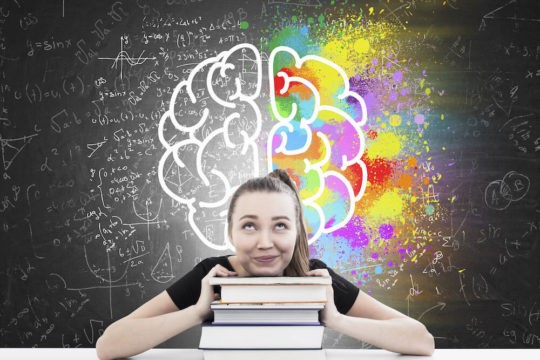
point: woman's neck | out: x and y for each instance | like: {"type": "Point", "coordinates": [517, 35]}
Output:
{"type": "Point", "coordinates": [237, 267]}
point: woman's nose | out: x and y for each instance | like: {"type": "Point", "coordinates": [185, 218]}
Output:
{"type": "Point", "coordinates": [265, 240]}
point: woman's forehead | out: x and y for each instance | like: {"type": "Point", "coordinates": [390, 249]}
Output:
{"type": "Point", "coordinates": [267, 204]}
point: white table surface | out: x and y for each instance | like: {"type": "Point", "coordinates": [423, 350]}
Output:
{"type": "Point", "coordinates": [331, 354]}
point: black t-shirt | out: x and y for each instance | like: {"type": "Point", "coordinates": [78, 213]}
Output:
{"type": "Point", "coordinates": [186, 291]}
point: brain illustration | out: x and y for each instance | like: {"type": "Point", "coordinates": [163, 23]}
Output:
{"type": "Point", "coordinates": [212, 135]}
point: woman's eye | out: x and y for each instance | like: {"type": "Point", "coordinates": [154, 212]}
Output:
{"type": "Point", "coordinates": [281, 226]}
{"type": "Point", "coordinates": [248, 226]}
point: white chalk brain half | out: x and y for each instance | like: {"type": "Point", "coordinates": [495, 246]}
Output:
{"type": "Point", "coordinates": [211, 135]}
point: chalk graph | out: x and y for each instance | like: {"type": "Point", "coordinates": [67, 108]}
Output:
{"type": "Point", "coordinates": [123, 56]}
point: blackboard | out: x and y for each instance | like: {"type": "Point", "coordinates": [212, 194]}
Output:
{"type": "Point", "coordinates": [97, 173]}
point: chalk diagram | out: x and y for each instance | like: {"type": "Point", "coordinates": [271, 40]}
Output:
{"type": "Point", "coordinates": [499, 194]}
{"type": "Point", "coordinates": [124, 56]}
{"type": "Point", "coordinates": [213, 114]}
{"type": "Point", "coordinates": [509, 11]}
{"type": "Point", "coordinates": [11, 148]}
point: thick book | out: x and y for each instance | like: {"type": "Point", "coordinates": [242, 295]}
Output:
{"type": "Point", "coordinates": [284, 337]}
{"type": "Point", "coordinates": [307, 313]}
{"type": "Point", "coordinates": [307, 289]}
{"type": "Point", "coordinates": [264, 354]}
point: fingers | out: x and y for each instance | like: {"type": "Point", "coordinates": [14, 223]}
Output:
{"type": "Point", "coordinates": [219, 270]}
{"type": "Point", "coordinates": [330, 292]}
{"type": "Point", "coordinates": [321, 272]}
{"type": "Point", "coordinates": [207, 293]}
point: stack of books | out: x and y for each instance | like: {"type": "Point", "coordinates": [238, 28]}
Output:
{"type": "Point", "coordinates": [266, 317]}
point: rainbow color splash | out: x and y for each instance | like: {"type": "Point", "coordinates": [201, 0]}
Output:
{"type": "Point", "coordinates": [382, 235]}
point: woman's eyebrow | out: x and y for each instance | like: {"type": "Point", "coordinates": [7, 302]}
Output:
{"type": "Point", "coordinates": [249, 217]}
{"type": "Point", "coordinates": [282, 217]}
{"type": "Point", "coordinates": [274, 218]}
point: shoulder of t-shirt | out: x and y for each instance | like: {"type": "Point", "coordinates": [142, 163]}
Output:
{"type": "Point", "coordinates": [210, 262]}
{"type": "Point", "coordinates": [317, 264]}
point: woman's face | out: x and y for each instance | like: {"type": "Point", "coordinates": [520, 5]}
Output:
{"type": "Point", "coordinates": [264, 232]}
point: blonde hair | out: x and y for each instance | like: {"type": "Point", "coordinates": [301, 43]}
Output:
{"type": "Point", "coordinates": [279, 181]}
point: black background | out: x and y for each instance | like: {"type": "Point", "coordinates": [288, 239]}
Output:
{"type": "Point", "coordinates": [67, 117]}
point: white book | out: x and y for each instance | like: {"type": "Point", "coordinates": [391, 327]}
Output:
{"type": "Point", "coordinates": [266, 313]}
{"type": "Point", "coordinates": [264, 354]}
{"type": "Point", "coordinates": [307, 289]}
{"type": "Point", "coordinates": [261, 337]}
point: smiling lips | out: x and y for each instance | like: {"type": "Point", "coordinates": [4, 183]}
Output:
{"type": "Point", "coordinates": [265, 259]}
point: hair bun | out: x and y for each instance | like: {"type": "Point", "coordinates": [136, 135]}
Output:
{"type": "Point", "coordinates": [285, 177]}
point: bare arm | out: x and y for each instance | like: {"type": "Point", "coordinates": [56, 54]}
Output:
{"type": "Point", "coordinates": [151, 324]}
{"type": "Point", "coordinates": [155, 321]}
{"type": "Point", "coordinates": [373, 322]}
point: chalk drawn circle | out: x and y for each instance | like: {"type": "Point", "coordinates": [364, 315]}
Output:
{"type": "Point", "coordinates": [497, 195]}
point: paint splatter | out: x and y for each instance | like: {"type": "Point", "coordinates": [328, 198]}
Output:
{"type": "Point", "coordinates": [386, 231]}
{"type": "Point", "coordinates": [393, 79]}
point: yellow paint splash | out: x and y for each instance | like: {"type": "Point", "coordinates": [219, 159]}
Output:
{"type": "Point", "coordinates": [337, 52]}
{"type": "Point", "coordinates": [326, 79]}
{"type": "Point", "coordinates": [361, 46]}
{"type": "Point", "coordinates": [395, 120]}
{"type": "Point", "coordinates": [355, 46]}
{"type": "Point", "coordinates": [388, 206]}
{"type": "Point", "coordinates": [387, 146]}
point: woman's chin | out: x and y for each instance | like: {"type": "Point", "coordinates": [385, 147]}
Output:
{"type": "Point", "coordinates": [266, 272]}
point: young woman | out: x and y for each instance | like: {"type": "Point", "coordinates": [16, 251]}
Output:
{"type": "Point", "coordinates": [266, 227]}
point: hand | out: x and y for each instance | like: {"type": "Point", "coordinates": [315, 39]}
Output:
{"type": "Point", "coordinates": [207, 291]}
{"type": "Point", "coordinates": [330, 313]}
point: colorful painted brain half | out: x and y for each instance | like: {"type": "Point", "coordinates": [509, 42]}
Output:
{"type": "Point", "coordinates": [213, 124]}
